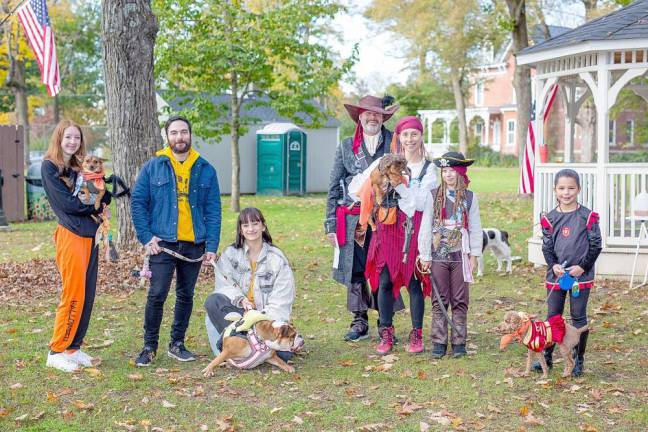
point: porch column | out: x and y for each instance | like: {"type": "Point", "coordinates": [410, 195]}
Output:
{"type": "Point", "coordinates": [571, 109]}
{"type": "Point", "coordinates": [538, 132]}
{"type": "Point", "coordinates": [602, 125]}
{"type": "Point", "coordinates": [446, 131]}
{"type": "Point", "coordinates": [430, 123]}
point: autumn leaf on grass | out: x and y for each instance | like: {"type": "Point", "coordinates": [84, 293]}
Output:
{"type": "Point", "coordinates": [276, 409]}
{"type": "Point", "coordinates": [372, 427]}
{"type": "Point", "coordinates": [102, 344]}
{"type": "Point", "coordinates": [408, 408]}
{"type": "Point", "coordinates": [588, 428]}
{"type": "Point", "coordinates": [198, 392]}
{"type": "Point", "coordinates": [38, 415]}
{"type": "Point", "coordinates": [346, 363]}
{"type": "Point", "coordinates": [83, 406]}
{"type": "Point", "coordinates": [383, 367]}
{"type": "Point", "coordinates": [444, 418]}
{"type": "Point", "coordinates": [534, 421]}
{"type": "Point", "coordinates": [4, 412]}
{"type": "Point", "coordinates": [167, 404]}
{"type": "Point", "coordinates": [524, 411]}
{"type": "Point", "coordinates": [596, 394]}
{"type": "Point", "coordinates": [391, 358]}
{"type": "Point", "coordinates": [514, 372]}
{"type": "Point", "coordinates": [225, 424]}
{"type": "Point", "coordinates": [298, 420]}
{"type": "Point", "coordinates": [421, 375]}
{"type": "Point", "coordinates": [93, 372]}
{"type": "Point", "coordinates": [424, 427]}
{"type": "Point", "coordinates": [135, 376]}
{"type": "Point", "coordinates": [15, 386]}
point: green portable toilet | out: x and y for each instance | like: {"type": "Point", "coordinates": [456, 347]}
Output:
{"type": "Point", "coordinates": [281, 160]}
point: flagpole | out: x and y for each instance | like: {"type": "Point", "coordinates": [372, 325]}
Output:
{"type": "Point", "coordinates": [4, 20]}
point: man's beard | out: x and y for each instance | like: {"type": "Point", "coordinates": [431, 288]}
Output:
{"type": "Point", "coordinates": [371, 128]}
{"type": "Point", "coordinates": [187, 147]}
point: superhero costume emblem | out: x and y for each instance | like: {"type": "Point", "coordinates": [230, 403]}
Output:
{"type": "Point", "coordinates": [566, 231]}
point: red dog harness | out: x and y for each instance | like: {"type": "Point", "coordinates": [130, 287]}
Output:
{"type": "Point", "coordinates": [541, 334]}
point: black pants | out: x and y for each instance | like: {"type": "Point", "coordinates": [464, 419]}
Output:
{"type": "Point", "coordinates": [217, 306]}
{"type": "Point", "coordinates": [162, 267]}
{"type": "Point", "coordinates": [88, 300]}
{"type": "Point", "coordinates": [577, 305]}
{"type": "Point", "coordinates": [386, 300]}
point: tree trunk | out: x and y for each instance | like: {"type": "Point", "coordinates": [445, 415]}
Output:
{"type": "Point", "coordinates": [57, 109]}
{"type": "Point", "coordinates": [522, 78]}
{"type": "Point", "coordinates": [128, 31]}
{"type": "Point", "coordinates": [235, 105]}
{"type": "Point", "coordinates": [460, 105]}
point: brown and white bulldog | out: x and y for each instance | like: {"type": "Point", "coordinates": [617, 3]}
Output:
{"type": "Point", "coordinates": [264, 339]}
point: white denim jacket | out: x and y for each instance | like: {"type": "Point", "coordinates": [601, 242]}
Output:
{"type": "Point", "coordinates": [274, 284]}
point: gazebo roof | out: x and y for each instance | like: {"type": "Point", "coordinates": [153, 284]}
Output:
{"type": "Point", "coordinates": [629, 23]}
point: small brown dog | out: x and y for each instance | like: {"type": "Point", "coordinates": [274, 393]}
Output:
{"type": "Point", "coordinates": [390, 171]}
{"type": "Point", "coordinates": [537, 335]}
{"type": "Point", "coordinates": [261, 344]}
{"type": "Point", "coordinates": [93, 186]}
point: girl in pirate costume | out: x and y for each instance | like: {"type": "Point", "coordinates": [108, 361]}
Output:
{"type": "Point", "coordinates": [571, 245]}
{"type": "Point", "coordinates": [450, 239]}
{"type": "Point", "coordinates": [393, 248]}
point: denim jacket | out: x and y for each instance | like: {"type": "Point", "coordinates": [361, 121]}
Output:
{"type": "Point", "coordinates": [274, 285]}
{"type": "Point", "coordinates": [154, 203]}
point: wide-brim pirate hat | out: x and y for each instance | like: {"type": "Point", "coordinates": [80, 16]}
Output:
{"type": "Point", "coordinates": [452, 159]}
{"type": "Point", "coordinates": [374, 104]}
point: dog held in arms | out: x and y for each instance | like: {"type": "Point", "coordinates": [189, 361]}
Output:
{"type": "Point", "coordinates": [389, 172]}
{"type": "Point", "coordinates": [90, 188]}
{"type": "Point", "coordinates": [498, 243]}
{"type": "Point", "coordinates": [253, 339]}
{"type": "Point", "coordinates": [537, 335]}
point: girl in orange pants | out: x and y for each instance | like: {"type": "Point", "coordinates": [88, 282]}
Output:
{"type": "Point", "coordinates": [76, 254]}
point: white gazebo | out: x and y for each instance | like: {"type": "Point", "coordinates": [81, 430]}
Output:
{"type": "Point", "coordinates": [597, 59]}
{"type": "Point", "coordinates": [429, 117]}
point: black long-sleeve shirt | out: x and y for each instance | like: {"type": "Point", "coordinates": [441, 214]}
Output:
{"type": "Point", "coordinates": [70, 211]}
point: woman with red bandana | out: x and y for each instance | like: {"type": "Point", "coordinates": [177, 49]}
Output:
{"type": "Point", "coordinates": [389, 266]}
{"type": "Point", "coordinates": [450, 239]}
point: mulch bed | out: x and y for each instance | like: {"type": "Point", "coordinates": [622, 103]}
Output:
{"type": "Point", "coordinates": [24, 282]}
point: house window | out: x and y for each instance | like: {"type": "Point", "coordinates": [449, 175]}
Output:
{"type": "Point", "coordinates": [630, 126]}
{"type": "Point", "coordinates": [497, 126]}
{"type": "Point", "coordinates": [510, 133]}
{"type": "Point", "coordinates": [479, 128]}
{"type": "Point", "coordinates": [479, 93]}
{"type": "Point", "coordinates": [612, 133]}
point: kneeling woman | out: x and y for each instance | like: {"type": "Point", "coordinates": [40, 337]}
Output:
{"type": "Point", "coordinates": [251, 274]}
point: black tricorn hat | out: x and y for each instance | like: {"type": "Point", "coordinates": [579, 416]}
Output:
{"type": "Point", "coordinates": [452, 159]}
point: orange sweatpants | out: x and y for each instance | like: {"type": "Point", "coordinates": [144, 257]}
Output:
{"type": "Point", "coordinates": [72, 258]}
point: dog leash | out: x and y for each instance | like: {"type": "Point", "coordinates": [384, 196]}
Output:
{"type": "Point", "coordinates": [145, 273]}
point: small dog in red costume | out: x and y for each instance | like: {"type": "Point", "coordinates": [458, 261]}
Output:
{"type": "Point", "coordinates": [536, 335]}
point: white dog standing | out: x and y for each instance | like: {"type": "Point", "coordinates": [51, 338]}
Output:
{"type": "Point", "coordinates": [498, 242]}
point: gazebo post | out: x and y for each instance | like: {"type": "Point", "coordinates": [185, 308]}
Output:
{"type": "Point", "coordinates": [602, 126]}
{"type": "Point", "coordinates": [538, 132]}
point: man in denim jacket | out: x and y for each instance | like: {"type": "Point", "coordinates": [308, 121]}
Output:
{"type": "Point", "coordinates": [176, 206]}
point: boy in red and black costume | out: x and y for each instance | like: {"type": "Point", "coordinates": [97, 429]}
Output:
{"type": "Point", "coordinates": [571, 244]}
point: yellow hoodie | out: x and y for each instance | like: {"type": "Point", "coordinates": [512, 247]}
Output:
{"type": "Point", "coordinates": [182, 172]}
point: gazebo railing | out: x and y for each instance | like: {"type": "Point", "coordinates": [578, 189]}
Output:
{"type": "Point", "coordinates": [624, 181]}
{"type": "Point", "coordinates": [545, 198]}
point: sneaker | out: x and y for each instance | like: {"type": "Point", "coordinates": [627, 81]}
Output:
{"type": "Point", "coordinates": [458, 350]}
{"type": "Point", "coordinates": [62, 362]}
{"type": "Point", "coordinates": [80, 358]}
{"type": "Point", "coordinates": [438, 350]}
{"type": "Point", "coordinates": [386, 340]}
{"type": "Point", "coordinates": [356, 334]}
{"type": "Point", "coordinates": [178, 351]}
{"type": "Point", "coordinates": [145, 358]}
{"type": "Point", "coordinates": [415, 345]}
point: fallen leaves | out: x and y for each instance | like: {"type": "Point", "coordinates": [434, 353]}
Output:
{"type": "Point", "coordinates": [167, 404]}
{"type": "Point", "coordinates": [372, 427]}
{"type": "Point", "coordinates": [408, 408]}
{"type": "Point", "coordinates": [83, 406]}
{"type": "Point", "coordinates": [135, 376]}
{"type": "Point", "coordinates": [225, 424]}
{"type": "Point", "coordinates": [93, 372]}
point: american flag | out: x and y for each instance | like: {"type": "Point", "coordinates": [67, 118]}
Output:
{"type": "Point", "coordinates": [34, 19]}
{"type": "Point", "coordinates": [528, 161]}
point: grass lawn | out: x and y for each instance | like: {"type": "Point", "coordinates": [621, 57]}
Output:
{"type": "Point", "coordinates": [338, 386]}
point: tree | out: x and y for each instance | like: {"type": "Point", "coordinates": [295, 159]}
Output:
{"type": "Point", "coordinates": [522, 79]}
{"type": "Point", "coordinates": [128, 32]}
{"type": "Point", "coordinates": [447, 34]}
{"type": "Point", "coordinates": [267, 52]}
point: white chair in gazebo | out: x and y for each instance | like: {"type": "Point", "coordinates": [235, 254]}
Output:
{"type": "Point", "coordinates": [597, 59]}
